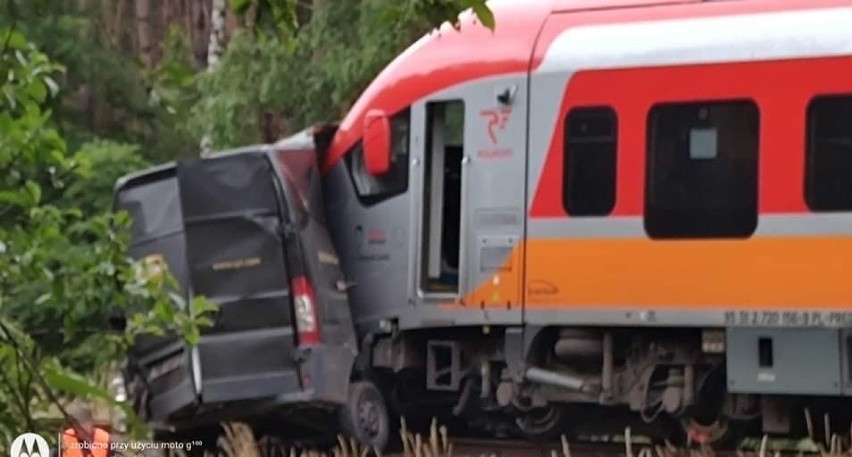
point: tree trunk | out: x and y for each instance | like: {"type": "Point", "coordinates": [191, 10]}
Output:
{"type": "Point", "coordinates": [272, 124]}
{"type": "Point", "coordinates": [143, 32]}
{"type": "Point", "coordinates": [232, 23]}
{"type": "Point", "coordinates": [216, 45]}
{"type": "Point", "coordinates": [116, 25]}
{"type": "Point", "coordinates": [198, 26]}
{"type": "Point", "coordinates": [167, 15]}
{"type": "Point", "coordinates": [305, 10]}
{"type": "Point", "coordinates": [215, 49]}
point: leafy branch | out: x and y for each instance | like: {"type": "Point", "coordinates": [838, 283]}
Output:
{"type": "Point", "coordinates": [63, 262]}
{"type": "Point", "coordinates": [281, 17]}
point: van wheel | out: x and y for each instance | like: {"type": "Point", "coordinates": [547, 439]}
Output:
{"type": "Point", "coordinates": [365, 416]}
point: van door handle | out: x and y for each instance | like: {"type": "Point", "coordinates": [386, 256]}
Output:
{"type": "Point", "coordinates": [342, 285]}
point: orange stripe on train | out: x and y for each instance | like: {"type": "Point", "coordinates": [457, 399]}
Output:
{"type": "Point", "coordinates": [760, 272]}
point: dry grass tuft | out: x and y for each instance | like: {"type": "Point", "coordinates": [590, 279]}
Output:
{"type": "Point", "coordinates": [238, 440]}
{"type": "Point", "coordinates": [438, 444]}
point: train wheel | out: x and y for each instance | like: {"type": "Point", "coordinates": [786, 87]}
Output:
{"type": "Point", "coordinates": [722, 432]}
{"type": "Point", "coordinates": [542, 423]}
{"type": "Point", "coordinates": [709, 420]}
{"type": "Point", "coordinates": [713, 433]}
{"type": "Point", "coordinates": [365, 416]}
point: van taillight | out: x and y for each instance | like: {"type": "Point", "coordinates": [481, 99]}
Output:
{"type": "Point", "coordinates": [305, 304]}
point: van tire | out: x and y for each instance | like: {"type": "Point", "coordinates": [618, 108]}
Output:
{"type": "Point", "coordinates": [365, 416]}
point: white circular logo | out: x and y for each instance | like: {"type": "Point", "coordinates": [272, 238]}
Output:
{"type": "Point", "coordinates": [30, 445]}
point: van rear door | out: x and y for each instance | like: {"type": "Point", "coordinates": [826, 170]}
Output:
{"type": "Point", "coordinates": [160, 369]}
{"type": "Point", "coordinates": [233, 215]}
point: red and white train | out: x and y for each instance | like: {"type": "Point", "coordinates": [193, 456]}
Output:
{"type": "Point", "coordinates": [637, 205]}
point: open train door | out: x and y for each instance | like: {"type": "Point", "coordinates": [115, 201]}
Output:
{"type": "Point", "coordinates": [233, 215]}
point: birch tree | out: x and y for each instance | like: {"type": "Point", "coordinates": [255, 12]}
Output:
{"type": "Point", "coordinates": [217, 33]}
{"type": "Point", "coordinates": [215, 51]}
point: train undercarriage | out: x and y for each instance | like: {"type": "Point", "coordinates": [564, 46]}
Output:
{"type": "Point", "coordinates": [665, 384]}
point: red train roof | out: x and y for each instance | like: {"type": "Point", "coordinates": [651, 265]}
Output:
{"type": "Point", "coordinates": [448, 57]}
{"type": "Point", "coordinates": [577, 5]}
{"type": "Point", "coordinates": [445, 58]}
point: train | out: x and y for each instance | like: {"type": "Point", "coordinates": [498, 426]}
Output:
{"type": "Point", "coordinates": [632, 206]}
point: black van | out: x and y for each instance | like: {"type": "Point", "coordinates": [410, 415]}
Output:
{"type": "Point", "coordinates": [246, 229]}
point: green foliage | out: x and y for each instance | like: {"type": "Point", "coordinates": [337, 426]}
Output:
{"type": "Point", "coordinates": [232, 94]}
{"type": "Point", "coordinates": [173, 80]}
{"type": "Point", "coordinates": [272, 17]}
{"type": "Point", "coordinates": [99, 163]}
{"type": "Point", "coordinates": [440, 11]}
{"type": "Point", "coordinates": [63, 263]}
{"type": "Point", "coordinates": [281, 17]}
{"type": "Point", "coordinates": [312, 74]}
{"type": "Point", "coordinates": [157, 308]}
{"type": "Point", "coordinates": [32, 386]}
{"type": "Point", "coordinates": [106, 92]}
{"type": "Point", "coordinates": [23, 392]}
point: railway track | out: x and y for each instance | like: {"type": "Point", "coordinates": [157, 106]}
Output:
{"type": "Point", "coordinates": [484, 447]}
{"type": "Point", "coordinates": [456, 443]}
{"type": "Point", "coordinates": [504, 448]}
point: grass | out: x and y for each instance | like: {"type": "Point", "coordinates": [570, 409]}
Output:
{"type": "Point", "coordinates": [238, 440]}
{"type": "Point", "coordinates": [438, 444]}
{"type": "Point", "coordinates": [828, 445]}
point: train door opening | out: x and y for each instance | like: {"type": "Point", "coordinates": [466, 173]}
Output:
{"type": "Point", "coordinates": [442, 197]}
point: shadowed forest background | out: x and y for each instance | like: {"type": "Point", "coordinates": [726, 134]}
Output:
{"type": "Point", "coordinates": [94, 89]}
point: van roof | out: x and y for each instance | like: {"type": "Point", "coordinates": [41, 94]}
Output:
{"type": "Point", "coordinates": [167, 168]}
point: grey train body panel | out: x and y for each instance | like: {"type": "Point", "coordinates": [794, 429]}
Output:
{"type": "Point", "coordinates": [377, 264]}
{"type": "Point", "coordinates": [780, 361]}
{"type": "Point", "coordinates": [492, 199]}
{"type": "Point", "coordinates": [388, 272]}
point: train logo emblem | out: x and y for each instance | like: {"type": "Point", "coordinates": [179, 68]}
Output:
{"type": "Point", "coordinates": [497, 119]}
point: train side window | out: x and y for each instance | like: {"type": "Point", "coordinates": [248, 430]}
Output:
{"type": "Point", "coordinates": [702, 168]}
{"type": "Point", "coordinates": [828, 169]}
{"type": "Point", "coordinates": [591, 140]}
{"type": "Point", "coordinates": [374, 189]}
